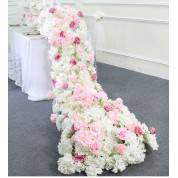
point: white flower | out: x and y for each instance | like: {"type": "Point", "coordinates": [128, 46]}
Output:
{"type": "Point", "coordinates": [99, 15]}
{"type": "Point", "coordinates": [66, 164]}
{"type": "Point", "coordinates": [152, 141]}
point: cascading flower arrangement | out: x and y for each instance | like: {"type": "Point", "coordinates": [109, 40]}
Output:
{"type": "Point", "coordinates": [96, 132]}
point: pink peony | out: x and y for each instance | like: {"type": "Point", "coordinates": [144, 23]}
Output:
{"type": "Point", "coordinates": [94, 77]}
{"type": "Point", "coordinates": [94, 147]}
{"type": "Point", "coordinates": [52, 9]}
{"type": "Point", "coordinates": [65, 85]}
{"type": "Point", "coordinates": [138, 130]}
{"type": "Point", "coordinates": [72, 24]}
{"type": "Point", "coordinates": [122, 134]}
{"type": "Point", "coordinates": [80, 14]}
{"type": "Point", "coordinates": [50, 95]}
{"type": "Point", "coordinates": [73, 62]}
{"type": "Point", "coordinates": [108, 108]}
{"type": "Point", "coordinates": [53, 118]}
{"type": "Point", "coordinates": [152, 130]}
{"type": "Point", "coordinates": [53, 81]}
{"type": "Point", "coordinates": [121, 148]}
{"type": "Point", "coordinates": [57, 57]}
{"type": "Point", "coordinates": [95, 126]}
{"type": "Point", "coordinates": [77, 40]}
{"type": "Point", "coordinates": [79, 158]}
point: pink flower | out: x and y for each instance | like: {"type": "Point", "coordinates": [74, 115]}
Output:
{"type": "Point", "coordinates": [77, 21]}
{"type": "Point", "coordinates": [57, 57]}
{"type": "Point", "coordinates": [119, 103]}
{"type": "Point", "coordinates": [102, 95]}
{"type": "Point", "coordinates": [83, 66]}
{"type": "Point", "coordinates": [94, 77]}
{"type": "Point", "coordinates": [121, 148]}
{"type": "Point", "coordinates": [94, 147]}
{"type": "Point", "coordinates": [122, 134]}
{"type": "Point", "coordinates": [53, 118]}
{"type": "Point", "coordinates": [66, 67]}
{"type": "Point", "coordinates": [50, 95]}
{"type": "Point", "coordinates": [77, 40]}
{"type": "Point", "coordinates": [65, 116]}
{"type": "Point", "coordinates": [132, 126]}
{"type": "Point", "coordinates": [53, 82]}
{"type": "Point", "coordinates": [95, 126]}
{"type": "Point", "coordinates": [138, 130]}
{"type": "Point", "coordinates": [65, 85]}
{"type": "Point", "coordinates": [108, 108]}
{"type": "Point", "coordinates": [73, 62]}
{"type": "Point", "coordinates": [152, 130]}
{"type": "Point", "coordinates": [61, 41]}
{"type": "Point", "coordinates": [72, 24]}
{"type": "Point", "coordinates": [62, 34]}
{"type": "Point", "coordinates": [73, 77]}
{"type": "Point", "coordinates": [52, 9]}
{"type": "Point", "coordinates": [79, 158]}
{"type": "Point", "coordinates": [80, 14]}
{"type": "Point", "coordinates": [113, 115]}
{"type": "Point", "coordinates": [73, 128]}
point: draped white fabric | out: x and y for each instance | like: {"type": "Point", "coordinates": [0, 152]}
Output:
{"type": "Point", "coordinates": [29, 64]}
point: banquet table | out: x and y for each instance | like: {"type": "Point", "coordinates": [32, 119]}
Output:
{"type": "Point", "coordinates": [29, 64]}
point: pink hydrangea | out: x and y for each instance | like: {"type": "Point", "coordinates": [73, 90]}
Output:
{"type": "Point", "coordinates": [122, 134]}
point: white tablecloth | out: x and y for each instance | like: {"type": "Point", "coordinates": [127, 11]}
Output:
{"type": "Point", "coordinates": [29, 64]}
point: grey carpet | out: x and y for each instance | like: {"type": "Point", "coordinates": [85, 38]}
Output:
{"type": "Point", "coordinates": [33, 138]}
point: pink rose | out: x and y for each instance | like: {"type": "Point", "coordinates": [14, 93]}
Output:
{"type": "Point", "coordinates": [77, 40]}
{"type": "Point", "coordinates": [73, 129]}
{"type": "Point", "coordinates": [80, 14]}
{"type": "Point", "coordinates": [73, 62]}
{"type": "Point", "coordinates": [94, 147]}
{"type": "Point", "coordinates": [138, 130]}
{"type": "Point", "coordinates": [72, 24]}
{"type": "Point", "coordinates": [152, 130]}
{"type": "Point", "coordinates": [122, 134]}
{"type": "Point", "coordinates": [121, 148]}
{"type": "Point", "coordinates": [53, 82]}
{"type": "Point", "coordinates": [132, 126]}
{"type": "Point", "coordinates": [79, 158]}
{"type": "Point", "coordinates": [83, 67]}
{"type": "Point", "coordinates": [52, 9]}
{"type": "Point", "coordinates": [108, 108]}
{"type": "Point", "coordinates": [62, 34]}
{"type": "Point", "coordinates": [65, 85]}
{"type": "Point", "coordinates": [94, 77]}
{"type": "Point", "coordinates": [57, 57]}
{"type": "Point", "coordinates": [77, 21]}
{"type": "Point", "coordinates": [53, 118]}
{"type": "Point", "coordinates": [50, 95]}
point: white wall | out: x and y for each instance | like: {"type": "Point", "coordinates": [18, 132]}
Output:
{"type": "Point", "coordinates": [135, 32]}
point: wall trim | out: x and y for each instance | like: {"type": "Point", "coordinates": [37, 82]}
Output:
{"type": "Point", "coordinates": [127, 2]}
{"type": "Point", "coordinates": [67, 2]}
{"type": "Point", "coordinates": [158, 61]}
{"type": "Point", "coordinates": [132, 19]}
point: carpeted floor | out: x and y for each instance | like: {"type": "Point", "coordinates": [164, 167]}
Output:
{"type": "Point", "coordinates": [33, 138]}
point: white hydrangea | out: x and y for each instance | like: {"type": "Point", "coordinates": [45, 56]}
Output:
{"type": "Point", "coordinates": [66, 164]}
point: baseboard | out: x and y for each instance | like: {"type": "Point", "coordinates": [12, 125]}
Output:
{"type": "Point", "coordinates": [143, 66]}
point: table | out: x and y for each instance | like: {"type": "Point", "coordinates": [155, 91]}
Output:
{"type": "Point", "coordinates": [29, 64]}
